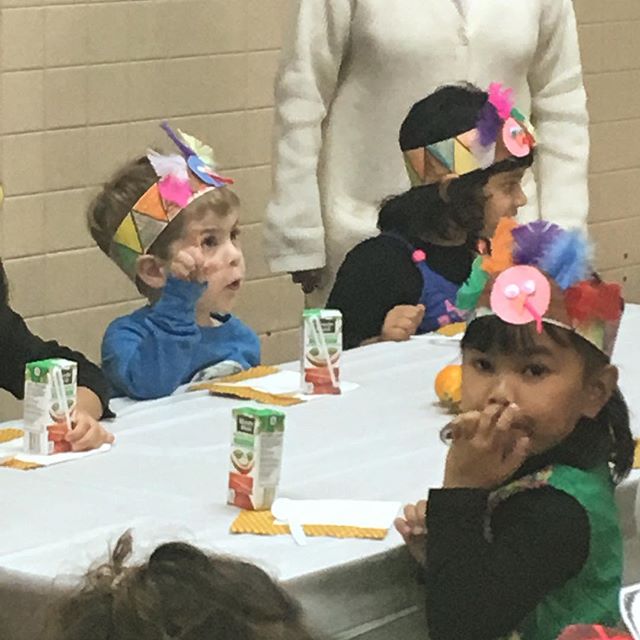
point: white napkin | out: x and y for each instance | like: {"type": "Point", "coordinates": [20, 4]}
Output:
{"type": "Point", "coordinates": [630, 609]}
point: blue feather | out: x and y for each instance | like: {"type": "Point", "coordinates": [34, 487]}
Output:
{"type": "Point", "coordinates": [567, 259]}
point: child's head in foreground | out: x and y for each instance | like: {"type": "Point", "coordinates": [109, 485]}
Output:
{"type": "Point", "coordinates": [179, 593]}
{"type": "Point", "coordinates": [466, 152]}
{"type": "Point", "coordinates": [163, 216]}
{"type": "Point", "coordinates": [541, 338]}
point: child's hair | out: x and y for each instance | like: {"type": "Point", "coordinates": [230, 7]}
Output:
{"type": "Point", "coordinates": [4, 286]}
{"type": "Point", "coordinates": [119, 195]}
{"type": "Point", "coordinates": [493, 334]}
{"type": "Point", "coordinates": [180, 593]}
{"type": "Point", "coordinates": [448, 112]}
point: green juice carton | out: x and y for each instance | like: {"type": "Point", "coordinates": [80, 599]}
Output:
{"type": "Point", "coordinates": [321, 351]}
{"type": "Point", "coordinates": [256, 457]}
{"type": "Point", "coordinates": [50, 391]}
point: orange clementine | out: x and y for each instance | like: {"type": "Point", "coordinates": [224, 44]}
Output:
{"type": "Point", "coordinates": [448, 385]}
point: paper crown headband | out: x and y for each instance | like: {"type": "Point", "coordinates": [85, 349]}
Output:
{"type": "Point", "coordinates": [541, 273]}
{"type": "Point", "coordinates": [183, 178]}
{"type": "Point", "coordinates": [501, 132]}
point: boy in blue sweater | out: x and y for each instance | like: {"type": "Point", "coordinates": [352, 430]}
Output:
{"type": "Point", "coordinates": [171, 224]}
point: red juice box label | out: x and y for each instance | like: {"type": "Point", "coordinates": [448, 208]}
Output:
{"type": "Point", "coordinates": [321, 351]}
{"type": "Point", "coordinates": [256, 457]}
{"type": "Point", "coordinates": [50, 391]}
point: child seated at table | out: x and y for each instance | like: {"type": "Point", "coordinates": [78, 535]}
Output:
{"type": "Point", "coordinates": [523, 538]}
{"type": "Point", "coordinates": [179, 593]}
{"type": "Point", "coordinates": [171, 224]}
{"type": "Point", "coordinates": [466, 152]}
{"type": "Point", "coordinates": [19, 346]}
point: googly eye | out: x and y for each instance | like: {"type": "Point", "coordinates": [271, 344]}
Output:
{"type": "Point", "coordinates": [529, 287]}
{"type": "Point", "coordinates": [512, 291]}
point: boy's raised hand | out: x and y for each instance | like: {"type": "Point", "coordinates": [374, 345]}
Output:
{"type": "Point", "coordinates": [413, 530]}
{"type": "Point", "coordinates": [487, 447]}
{"type": "Point", "coordinates": [402, 322]}
{"type": "Point", "coordinates": [189, 264]}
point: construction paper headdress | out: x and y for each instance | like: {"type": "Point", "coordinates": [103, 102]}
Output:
{"type": "Point", "coordinates": [539, 273]}
{"type": "Point", "coordinates": [501, 132]}
{"type": "Point", "coordinates": [182, 178]}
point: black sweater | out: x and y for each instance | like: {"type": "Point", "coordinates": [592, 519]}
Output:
{"type": "Point", "coordinates": [479, 590]}
{"type": "Point", "coordinates": [379, 274]}
{"type": "Point", "coordinates": [19, 346]}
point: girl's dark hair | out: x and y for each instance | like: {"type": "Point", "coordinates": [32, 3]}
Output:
{"type": "Point", "coordinates": [4, 287]}
{"type": "Point", "coordinates": [179, 593]}
{"type": "Point", "coordinates": [124, 189]}
{"type": "Point", "coordinates": [447, 112]}
{"type": "Point", "coordinates": [490, 333]}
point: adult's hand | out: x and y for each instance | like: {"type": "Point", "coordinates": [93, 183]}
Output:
{"type": "Point", "coordinates": [309, 280]}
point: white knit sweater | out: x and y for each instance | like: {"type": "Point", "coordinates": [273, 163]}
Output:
{"type": "Point", "coordinates": [349, 73]}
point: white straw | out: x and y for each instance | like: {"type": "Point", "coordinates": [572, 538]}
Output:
{"type": "Point", "coordinates": [60, 393]}
{"type": "Point", "coordinates": [322, 345]}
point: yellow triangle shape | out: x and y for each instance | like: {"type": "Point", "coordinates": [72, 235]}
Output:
{"type": "Point", "coordinates": [127, 235]}
{"type": "Point", "coordinates": [464, 160]}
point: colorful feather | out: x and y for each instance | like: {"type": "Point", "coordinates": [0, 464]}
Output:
{"type": "Point", "coordinates": [501, 98]}
{"type": "Point", "coordinates": [501, 257]}
{"type": "Point", "coordinates": [531, 241]}
{"type": "Point", "coordinates": [184, 149]}
{"type": "Point", "coordinates": [489, 124]}
{"type": "Point", "coordinates": [470, 292]}
{"type": "Point", "coordinates": [173, 189]}
{"type": "Point", "coordinates": [171, 165]}
{"type": "Point", "coordinates": [593, 299]}
{"type": "Point", "coordinates": [202, 150]}
{"type": "Point", "coordinates": [567, 258]}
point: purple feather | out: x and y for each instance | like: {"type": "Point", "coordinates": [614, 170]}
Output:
{"type": "Point", "coordinates": [184, 149]}
{"type": "Point", "coordinates": [531, 241]}
{"type": "Point", "coordinates": [489, 124]}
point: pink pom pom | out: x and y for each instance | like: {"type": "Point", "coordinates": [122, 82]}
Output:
{"type": "Point", "coordinates": [175, 190]}
{"type": "Point", "coordinates": [419, 255]}
{"type": "Point", "coordinates": [501, 98]}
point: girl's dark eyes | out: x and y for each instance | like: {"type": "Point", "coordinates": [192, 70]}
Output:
{"type": "Point", "coordinates": [483, 365]}
{"type": "Point", "coordinates": [209, 241]}
{"type": "Point", "coordinates": [536, 370]}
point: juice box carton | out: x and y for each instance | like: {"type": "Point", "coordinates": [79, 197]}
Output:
{"type": "Point", "coordinates": [256, 457]}
{"type": "Point", "coordinates": [321, 351]}
{"type": "Point", "coordinates": [45, 424]}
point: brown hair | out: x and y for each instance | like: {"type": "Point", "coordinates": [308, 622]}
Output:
{"type": "Point", "coordinates": [124, 189]}
{"type": "Point", "coordinates": [180, 593]}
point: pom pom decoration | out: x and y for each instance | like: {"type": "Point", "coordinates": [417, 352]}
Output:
{"type": "Point", "coordinates": [531, 241]}
{"type": "Point", "coordinates": [501, 257]}
{"type": "Point", "coordinates": [502, 99]}
{"type": "Point", "coordinates": [567, 259]}
{"type": "Point", "coordinates": [469, 293]}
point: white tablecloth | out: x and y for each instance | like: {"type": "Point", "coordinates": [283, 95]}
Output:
{"type": "Point", "coordinates": [167, 475]}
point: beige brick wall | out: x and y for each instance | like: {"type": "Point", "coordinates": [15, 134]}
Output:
{"type": "Point", "coordinates": [83, 85]}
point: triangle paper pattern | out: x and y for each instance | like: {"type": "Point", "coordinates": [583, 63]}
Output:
{"type": "Point", "coordinates": [148, 228]}
{"type": "Point", "coordinates": [444, 152]}
{"type": "Point", "coordinates": [126, 258]}
{"type": "Point", "coordinates": [465, 161]}
{"type": "Point", "coordinates": [151, 204]}
{"type": "Point", "coordinates": [127, 235]}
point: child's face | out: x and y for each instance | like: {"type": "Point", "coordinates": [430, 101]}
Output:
{"type": "Point", "coordinates": [547, 383]}
{"type": "Point", "coordinates": [504, 197]}
{"type": "Point", "coordinates": [217, 237]}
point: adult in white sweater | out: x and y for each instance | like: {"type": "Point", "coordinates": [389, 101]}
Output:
{"type": "Point", "coordinates": [349, 72]}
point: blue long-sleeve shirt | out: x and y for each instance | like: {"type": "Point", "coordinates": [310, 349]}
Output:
{"type": "Point", "coordinates": [152, 351]}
